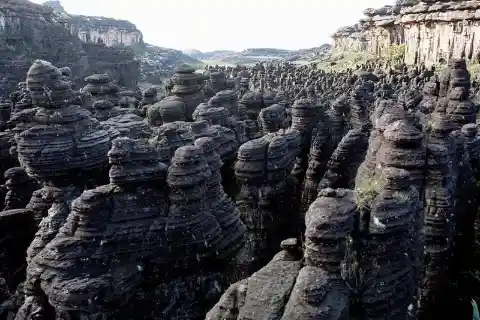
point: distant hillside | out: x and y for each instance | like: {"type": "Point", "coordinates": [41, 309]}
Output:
{"type": "Point", "coordinates": [209, 55]}
{"type": "Point", "coordinates": [254, 55]}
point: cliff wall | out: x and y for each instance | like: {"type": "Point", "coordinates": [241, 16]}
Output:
{"type": "Point", "coordinates": [430, 31]}
{"type": "Point", "coordinates": [156, 63]}
{"type": "Point", "coordinates": [30, 31]}
{"type": "Point", "coordinates": [112, 32]}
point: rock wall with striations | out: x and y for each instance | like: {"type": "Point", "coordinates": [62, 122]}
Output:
{"type": "Point", "coordinates": [29, 31]}
{"type": "Point", "coordinates": [375, 33]}
{"type": "Point", "coordinates": [156, 63]}
{"type": "Point", "coordinates": [431, 31]}
{"type": "Point", "coordinates": [112, 32]}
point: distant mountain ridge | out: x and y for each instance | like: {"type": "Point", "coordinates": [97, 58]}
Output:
{"type": "Point", "coordinates": [254, 55]}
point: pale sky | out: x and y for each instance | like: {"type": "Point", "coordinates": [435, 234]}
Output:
{"type": "Point", "coordinates": [231, 25]}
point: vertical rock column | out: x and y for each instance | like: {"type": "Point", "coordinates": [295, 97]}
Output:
{"type": "Point", "coordinates": [275, 196]}
{"type": "Point", "coordinates": [271, 119]}
{"type": "Point", "coordinates": [222, 207]}
{"type": "Point", "coordinates": [472, 141]}
{"type": "Point", "coordinates": [459, 106]}
{"type": "Point", "coordinates": [430, 96]}
{"type": "Point", "coordinates": [367, 174]}
{"type": "Point", "coordinates": [465, 208]}
{"type": "Point", "coordinates": [187, 88]}
{"type": "Point", "coordinates": [166, 111]}
{"type": "Point", "coordinates": [319, 284]}
{"type": "Point", "coordinates": [317, 162]}
{"type": "Point", "coordinates": [438, 213]}
{"type": "Point", "coordinates": [5, 113]}
{"type": "Point", "coordinates": [337, 122]}
{"type": "Point", "coordinates": [35, 303]}
{"type": "Point", "coordinates": [250, 172]}
{"type": "Point", "coordinates": [116, 239]}
{"type": "Point", "coordinates": [345, 160]}
{"type": "Point", "coordinates": [101, 87]}
{"type": "Point", "coordinates": [61, 144]}
{"type": "Point", "coordinates": [393, 248]}
{"type": "Point", "coordinates": [169, 137]}
{"type": "Point", "coordinates": [304, 121]}
{"type": "Point", "coordinates": [193, 233]}
{"type": "Point", "coordinates": [19, 188]}
{"type": "Point", "coordinates": [358, 110]}
{"type": "Point", "coordinates": [402, 148]}
{"type": "Point", "coordinates": [149, 97]}
{"type": "Point", "coordinates": [253, 101]}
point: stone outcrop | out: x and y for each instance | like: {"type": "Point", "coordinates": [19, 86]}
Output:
{"type": "Point", "coordinates": [449, 30]}
{"type": "Point", "coordinates": [156, 63]}
{"type": "Point", "coordinates": [29, 31]}
{"type": "Point", "coordinates": [431, 31]}
{"type": "Point", "coordinates": [290, 287]}
{"type": "Point", "coordinates": [374, 33]}
{"type": "Point", "coordinates": [89, 29]}
{"type": "Point", "coordinates": [117, 208]}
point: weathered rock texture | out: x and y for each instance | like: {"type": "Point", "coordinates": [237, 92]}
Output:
{"type": "Point", "coordinates": [430, 31]}
{"type": "Point", "coordinates": [29, 31]}
{"type": "Point", "coordinates": [156, 63]}
{"type": "Point", "coordinates": [89, 29]}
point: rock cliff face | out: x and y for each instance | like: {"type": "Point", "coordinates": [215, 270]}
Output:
{"type": "Point", "coordinates": [375, 33]}
{"type": "Point", "coordinates": [29, 31]}
{"type": "Point", "coordinates": [156, 63]}
{"type": "Point", "coordinates": [431, 31]}
{"type": "Point", "coordinates": [113, 32]}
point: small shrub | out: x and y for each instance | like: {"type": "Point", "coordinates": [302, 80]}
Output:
{"type": "Point", "coordinates": [474, 69]}
{"type": "Point", "coordinates": [395, 54]}
{"type": "Point", "coordinates": [367, 191]}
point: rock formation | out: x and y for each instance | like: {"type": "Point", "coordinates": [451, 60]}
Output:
{"type": "Point", "coordinates": [113, 32]}
{"type": "Point", "coordinates": [431, 31]}
{"type": "Point", "coordinates": [188, 88]}
{"type": "Point", "coordinates": [119, 205]}
{"type": "Point", "coordinates": [32, 31]}
{"type": "Point", "coordinates": [290, 287]}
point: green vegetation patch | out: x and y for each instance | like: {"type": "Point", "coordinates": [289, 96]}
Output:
{"type": "Point", "coordinates": [367, 190]}
{"type": "Point", "coordinates": [338, 61]}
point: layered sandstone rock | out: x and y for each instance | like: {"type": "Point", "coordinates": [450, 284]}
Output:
{"type": "Point", "coordinates": [376, 32]}
{"type": "Point", "coordinates": [431, 31]}
{"type": "Point", "coordinates": [89, 29]}
{"type": "Point", "coordinates": [30, 31]}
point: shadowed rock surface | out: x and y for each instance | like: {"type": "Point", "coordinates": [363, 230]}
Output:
{"type": "Point", "coordinates": [136, 203]}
